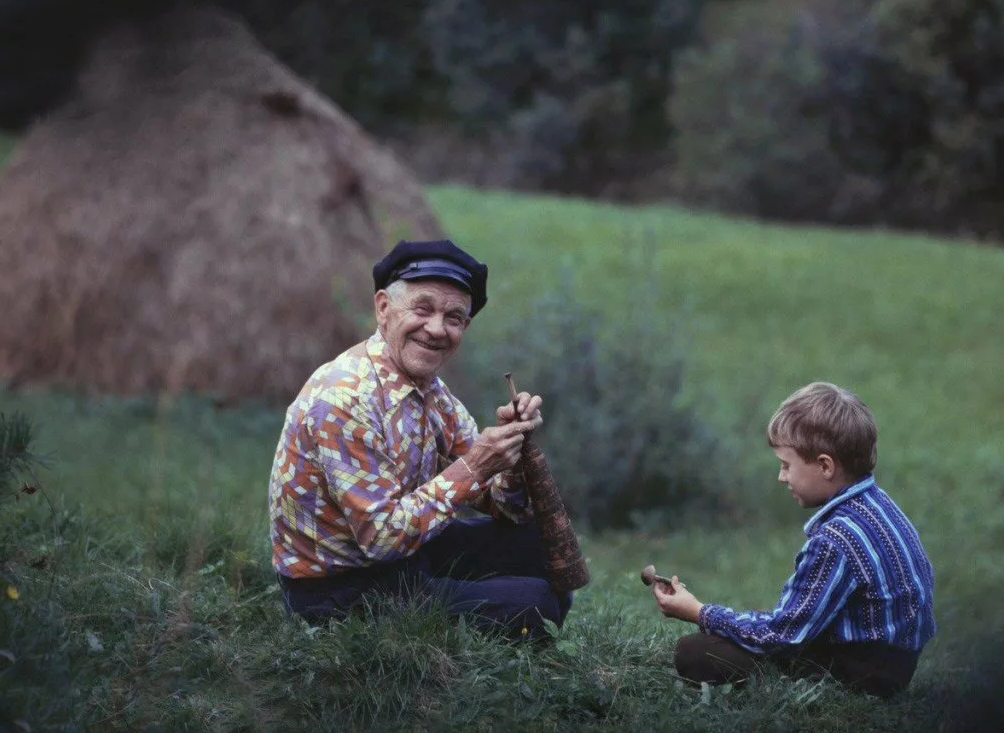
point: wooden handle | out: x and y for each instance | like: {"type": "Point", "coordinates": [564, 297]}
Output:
{"type": "Point", "coordinates": [563, 558]}
{"type": "Point", "coordinates": [512, 395]}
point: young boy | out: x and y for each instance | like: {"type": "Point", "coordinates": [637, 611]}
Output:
{"type": "Point", "coordinates": [859, 603]}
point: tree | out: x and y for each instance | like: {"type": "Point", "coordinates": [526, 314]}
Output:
{"type": "Point", "coordinates": [915, 97]}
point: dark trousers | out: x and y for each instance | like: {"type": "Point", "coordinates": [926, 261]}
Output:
{"type": "Point", "coordinates": [491, 571]}
{"type": "Point", "coordinates": [874, 668]}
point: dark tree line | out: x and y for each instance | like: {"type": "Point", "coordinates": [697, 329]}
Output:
{"type": "Point", "coordinates": [858, 111]}
{"type": "Point", "coordinates": [578, 87]}
{"type": "Point", "coordinates": [886, 112]}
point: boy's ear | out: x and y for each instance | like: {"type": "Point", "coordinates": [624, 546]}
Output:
{"type": "Point", "coordinates": [827, 465]}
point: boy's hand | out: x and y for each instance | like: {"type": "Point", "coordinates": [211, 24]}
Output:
{"type": "Point", "coordinates": [676, 601]}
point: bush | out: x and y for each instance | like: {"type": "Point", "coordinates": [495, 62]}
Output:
{"type": "Point", "coordinates": [365, 56]}
{"type": "Point", "coordinates": [915, 97]}
{"type": "Point", "coordinates": [582, 83]}
{"type": "Point", "coordinates": [752, 127]}
{"type": "Point", "coordinates": [35, 679]}
{"type": "Point", "coordinates": [752, 146]}
{"type": "Point", "coordinates": [625, 447]}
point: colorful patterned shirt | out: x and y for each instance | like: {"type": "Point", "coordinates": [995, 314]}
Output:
{"type": "Point", "coordinates": [357, 473]}
{"type": "Point", "coordinates": [862, 575]}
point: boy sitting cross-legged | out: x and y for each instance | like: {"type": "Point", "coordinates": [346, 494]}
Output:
{"type": "Point", "coordinates": [859, 603]}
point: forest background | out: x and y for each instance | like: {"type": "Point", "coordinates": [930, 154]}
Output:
{"type": "Point", "coordinates": [861, 112]}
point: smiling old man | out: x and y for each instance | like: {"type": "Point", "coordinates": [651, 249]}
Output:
{"type": "Point", "coordinates": [378, 463]}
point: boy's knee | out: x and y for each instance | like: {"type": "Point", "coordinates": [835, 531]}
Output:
{"type": "Point", "coordinates": [689, 656]}
{"type": "Point", "coordinates": [713, 659]}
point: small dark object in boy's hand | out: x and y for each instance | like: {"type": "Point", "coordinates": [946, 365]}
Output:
{"type": "Point", "coordinates": [648, 576]}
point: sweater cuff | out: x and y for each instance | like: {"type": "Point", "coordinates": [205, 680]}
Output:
{"type": "Point", "coordinates": [706, 617]}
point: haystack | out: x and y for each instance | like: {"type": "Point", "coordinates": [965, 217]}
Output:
{"type": "Point", "coordinates": [193, 217]}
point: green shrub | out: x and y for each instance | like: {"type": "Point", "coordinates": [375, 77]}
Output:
{"type": "Point", "coordinates": [35, 674]}
{"type": "Point", "coordinates": [751, 135]}
{"type": "Point", "coordinates": [623, 443]}
{"type": "Point", "coordinates": [578, 87]}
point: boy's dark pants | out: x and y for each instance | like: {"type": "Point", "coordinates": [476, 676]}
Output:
{"type": "Point", "coordinates": [874, 668]}
{"type": "Point", "coordinates": [491, 570]}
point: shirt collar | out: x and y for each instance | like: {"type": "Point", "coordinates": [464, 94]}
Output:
{"type": "Point", "coordinates": [394, 385]}
{"type": "Point", "coordinates": [840, 497]}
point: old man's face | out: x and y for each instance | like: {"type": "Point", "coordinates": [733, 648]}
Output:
{"type": "Point", "coordinates": [422, 322]}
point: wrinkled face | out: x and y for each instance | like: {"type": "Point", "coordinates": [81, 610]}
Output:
{"type": "Point", "coordinates": [422, 322]}
{"type": "Point", "coordinates": [807, 480]}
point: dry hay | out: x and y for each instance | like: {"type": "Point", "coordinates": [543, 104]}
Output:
{"type": "Point", "coordinates": [194, 217]}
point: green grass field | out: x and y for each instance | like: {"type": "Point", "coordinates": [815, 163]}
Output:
{"type": "Point", "coordinates": [152, 605]}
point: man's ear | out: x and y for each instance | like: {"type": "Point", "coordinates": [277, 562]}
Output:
{"type": "Point", "coordinates": [381, 304]}
{"type": "Point", "coordinates": [827, 465]}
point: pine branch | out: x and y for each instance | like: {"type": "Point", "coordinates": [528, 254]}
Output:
{"type": "Point", "coordinates": [16, 457]}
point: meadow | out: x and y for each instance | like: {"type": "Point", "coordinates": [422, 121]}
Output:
{"type": "Point", "coordinates": [145, 599]}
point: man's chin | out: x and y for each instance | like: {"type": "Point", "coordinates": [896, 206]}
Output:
{"type": "Point", "coordinates": [424, 371]}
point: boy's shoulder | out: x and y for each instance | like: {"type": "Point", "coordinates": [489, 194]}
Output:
{"type": "Point", "coordinates": [868, 520]}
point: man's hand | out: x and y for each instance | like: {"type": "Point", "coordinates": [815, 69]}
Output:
{"type": "Point", "coordinates": [528, 410]}
{"type": "Point", "coordinates": [676, 601]}
{"type": "Point", "coordinates": [497, 449]}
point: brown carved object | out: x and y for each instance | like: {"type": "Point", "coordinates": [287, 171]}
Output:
{"type": "Point", "coordinates": [649, 576]}
{"type": "Point", "coordinates": [566, 566]}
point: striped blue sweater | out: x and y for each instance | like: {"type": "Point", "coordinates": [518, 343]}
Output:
{"type": "Point", "coordinates": [862, 575]}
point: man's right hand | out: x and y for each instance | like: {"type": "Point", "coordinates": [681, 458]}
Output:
{"type": "Point", "coordinates": [497, 449]}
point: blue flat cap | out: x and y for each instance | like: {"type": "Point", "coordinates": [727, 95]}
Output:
{"type": "Point", "coordinates": [439, 259]}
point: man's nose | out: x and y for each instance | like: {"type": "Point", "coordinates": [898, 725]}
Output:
{"type": "Point", "coordinates": [435, 325]}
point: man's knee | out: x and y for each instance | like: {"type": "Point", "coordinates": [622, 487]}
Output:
{"type": "Point", "coordinates": [543, 604]}
{"type": "Point", "coordinates": [531, 604]}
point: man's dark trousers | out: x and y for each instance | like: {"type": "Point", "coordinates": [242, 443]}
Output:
{"type": "Point", "coordinates": [491, 571]}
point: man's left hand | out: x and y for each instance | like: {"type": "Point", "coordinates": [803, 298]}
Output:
{"type": "Point", "coordinates": [528, 408]}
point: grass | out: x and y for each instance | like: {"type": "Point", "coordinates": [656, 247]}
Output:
{"type": "Point", "coordinates": [146, 601]}
{"type": "Point", "coordinates": [6, 147]}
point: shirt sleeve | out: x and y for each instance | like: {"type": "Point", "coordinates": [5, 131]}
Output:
{"type": "Point", "coordinates": [505, 496]}
{"type": "Point", "coordinates": [810, 600]}
{"type": "Point", "coordinates": [387, 522]}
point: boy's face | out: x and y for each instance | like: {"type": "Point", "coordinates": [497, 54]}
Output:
{"type": "Point", "coordinates": [810, 482]}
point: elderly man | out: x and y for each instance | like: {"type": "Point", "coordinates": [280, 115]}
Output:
{"type": "Point", "coordinates": [377, 462]}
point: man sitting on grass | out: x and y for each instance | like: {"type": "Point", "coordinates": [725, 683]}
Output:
{"type": "Point", "coordinates": [377, 461]}
{"type": "Point", "coordinates": [860, 602]}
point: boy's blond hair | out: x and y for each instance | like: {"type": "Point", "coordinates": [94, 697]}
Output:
{"type": "Point", "coordinates": [824, 418]}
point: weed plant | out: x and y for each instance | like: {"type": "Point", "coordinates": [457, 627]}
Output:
{"type": "Point", "coordinates": [630, 452]}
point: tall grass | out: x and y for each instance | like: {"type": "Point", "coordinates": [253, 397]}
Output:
{"type": "Point", "coordinates": [6, 147]}
{"type": "Point", "coordinates": [147, 601]}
